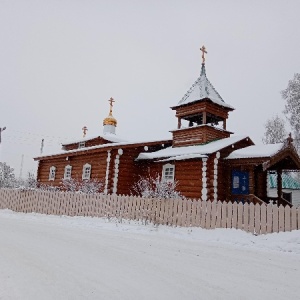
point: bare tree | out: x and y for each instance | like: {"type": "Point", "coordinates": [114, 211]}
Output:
{"type": "Point", "coordinates": [292, 107]}
{"type": "Point", "coordinates": [274, 131]}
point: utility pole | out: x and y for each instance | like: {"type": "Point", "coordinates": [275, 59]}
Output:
{"type": "Point", "coordinates": [21, 168]}
{"type": "Point", "coordinates": [1, 129]}
{"type": "Point", "coordinates": [42, 147]}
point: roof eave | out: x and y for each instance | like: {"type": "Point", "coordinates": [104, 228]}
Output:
{"type": "Point", "coordinates": [226, 106]}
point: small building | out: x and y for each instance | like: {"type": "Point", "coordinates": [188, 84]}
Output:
{"type": "Point", "coordinates": [208, 161]}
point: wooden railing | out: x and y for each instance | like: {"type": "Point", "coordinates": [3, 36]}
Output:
{"type": "Point", "coordinates": [251, 198]}
{"type": "Point", "coordinates": [279, 201]}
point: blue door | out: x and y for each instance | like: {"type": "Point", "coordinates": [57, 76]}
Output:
{"type": "Point", "coordinates": [240, 183]}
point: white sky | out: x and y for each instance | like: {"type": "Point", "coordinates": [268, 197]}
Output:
{"type": "Point", "coordinates": [62, 60]}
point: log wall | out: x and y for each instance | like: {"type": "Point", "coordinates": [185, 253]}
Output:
{"type": "Point", "coordinates": [197, 135]}
{"type": "Point", "coordinates": [198, 107]}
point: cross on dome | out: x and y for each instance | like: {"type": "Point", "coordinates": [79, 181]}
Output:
{"type": "Point", "coordinates": [111, 101]}
{"type": "Point", "coordinates": [110, 120]}
{"type": "Point", "coordinates": [84, 129]}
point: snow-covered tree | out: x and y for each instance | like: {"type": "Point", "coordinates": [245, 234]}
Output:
{"type": "Point", "coordinates": [7, 176]}
{"type": "Point", "coordinates": [291, 95]}
{"type": "Point", "coordinates": [156, 187]}
{"type": "Point", "coordinates": [274, 131]}
{"type": "Point", "coordinates": [31, 181]}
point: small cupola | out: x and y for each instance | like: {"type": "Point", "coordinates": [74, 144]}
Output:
{"type": "Point", "coordinates": [203, 110]}
{"type": "Point", "coordinates": [110, 123]}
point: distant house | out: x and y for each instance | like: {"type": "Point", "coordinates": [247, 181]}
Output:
{"type": "Point", "coordinates": [290, 187]}
{"type": "Point", "coordinates": [207, 160]}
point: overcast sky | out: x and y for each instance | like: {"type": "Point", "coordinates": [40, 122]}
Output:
{"type": "Point", "coordinates": [60, 61]}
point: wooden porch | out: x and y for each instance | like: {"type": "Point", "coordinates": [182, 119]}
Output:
{"type": "Point", "coordinates": [256, 170]}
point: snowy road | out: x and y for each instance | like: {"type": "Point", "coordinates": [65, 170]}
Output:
{"type": "Point", "coordinates": [50, 257]}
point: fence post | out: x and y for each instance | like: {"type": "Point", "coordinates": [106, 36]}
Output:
{"type": "Point", "coordinates": [257, 218]}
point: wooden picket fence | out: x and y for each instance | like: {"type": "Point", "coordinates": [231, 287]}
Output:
{"type": "Point", "coordinates": [259, 219]}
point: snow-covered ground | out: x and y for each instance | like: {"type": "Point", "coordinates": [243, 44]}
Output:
{"type": "Point", "coordinates": [52, 257]}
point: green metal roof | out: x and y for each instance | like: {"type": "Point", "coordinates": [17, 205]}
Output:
{"type": "Point", "coordinates": [288, 182]}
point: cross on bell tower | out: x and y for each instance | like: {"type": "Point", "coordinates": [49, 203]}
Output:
{"type": "Point", "coordinates": [203, 50]}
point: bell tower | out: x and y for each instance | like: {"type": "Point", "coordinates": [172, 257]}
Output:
{"type": "Point", "coordinates": [204, 112]}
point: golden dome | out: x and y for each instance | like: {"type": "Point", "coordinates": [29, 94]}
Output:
{"type": "Point", "coordinates": [110, 120]}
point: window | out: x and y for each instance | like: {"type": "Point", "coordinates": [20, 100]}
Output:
{"type": "Point", "coordinates": [68, 170]}
{"type": "Point", "coordinates": [81, 145]}
{"type": "Point", "coordinates": [168, 172]}
{"type": "Point", "coordinates": [52, 173]}
{"type": "Point", "coordinates": [86, 171]}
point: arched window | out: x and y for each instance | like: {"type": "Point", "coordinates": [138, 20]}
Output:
{"type": "Point", "coordinates": [168, 172]}
{"type": "Point", "coordinates": [52, 173]}
{"type": "Point", "coordinates": [86, 171]}
{"type": "Point", "coordinates": [68, 171]}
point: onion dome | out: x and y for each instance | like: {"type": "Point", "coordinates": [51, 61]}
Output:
{"type": "Point", "coordinates": [110, 123]}
{"type": "Point", "coordinates": [110, 120]}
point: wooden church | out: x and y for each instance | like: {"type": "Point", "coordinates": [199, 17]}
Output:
{"type": "Point", "coordinates": [207, 161]}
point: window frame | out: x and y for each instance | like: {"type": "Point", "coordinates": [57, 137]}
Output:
{"type": "Point", "coordinates": [68, 169]}
{"type": "Point", "coordinates": [81, 145]}
{"type": "Point", "coordinates": [167, 174]}
{"type": "Point", "coordinates": [84, 173]}
{"type": "Point", "coordinates": [52, 173]}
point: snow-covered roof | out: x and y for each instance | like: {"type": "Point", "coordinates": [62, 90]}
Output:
{"type": "Point", "coordinates": [256, 151]}
{"type": "Point", "coordinates": [65, 152]}
{"type": "Point", "coordinates": [107, 136]}
{"type": "Point", "coordinates": [183, 157]}
{"type": "Point", "coordinates": [188, 150]}
{"type": "Point", "coordinates": [197, 126]}
{"type": "Point", "coordinates": [203, 89]}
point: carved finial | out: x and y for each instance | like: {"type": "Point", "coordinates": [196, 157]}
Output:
{"type": "Point", "coordinates": [111, 101]}
{"type": "Point", "coordinates": [203, 50]}
{"type": "Point", "coordinates": [290, 139]}
{"type": "Point", "coordinates": [84, 129]}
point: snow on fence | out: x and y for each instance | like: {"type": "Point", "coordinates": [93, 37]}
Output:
{"type": "Point", "coordinates": [257, 218]}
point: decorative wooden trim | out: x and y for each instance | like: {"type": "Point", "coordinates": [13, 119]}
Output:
{"type": "Point", "coordinates": [215, 182]}
{"type": "Point", "coordinates": [52, 173]}
{"type": "Point", "coordinates": [107, 172]}
{"type": "Point", "coordinates": [86, 166]}
{"type": "Point", "coordinates": [68, 167]}
{"type": "Point", "coordinates": [204, 191]}
{"type": "Point", "coordinates": [166, 166]}
{"type": "Point", "coordinates": [116, 171]}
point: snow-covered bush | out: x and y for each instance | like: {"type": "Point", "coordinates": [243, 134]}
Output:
{"type": "Point", "coordinates": [156, 187]}
{"type": "Point", "coordinates": [46, 187]}
{"type": "Point", "coordinates": [90, 186]}
{"type": "Point", "coordinates": [70, 185]}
